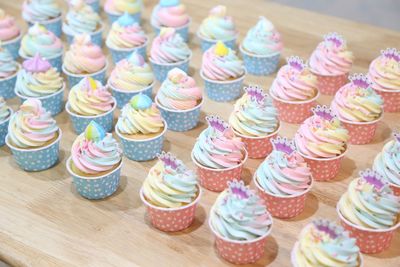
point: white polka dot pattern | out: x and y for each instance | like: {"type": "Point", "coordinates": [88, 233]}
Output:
{"type": "Point", "coordinates": [52, 103]}
{"type": "Point", "coordinates": [13, 47]}
{"type": "Point", "coordinates": [161, 71]}
{"type": "Point", "coordinates": [293, 113]}
{"type": "Point", "coordinates": [391, 101]}
{"type": "Point", "coordinates": [118, 55]}
{"type": "Point", "coordinates": [258, 147]}
{"type": "Point", "coordinates": [329, 85]}
{"type": "Point", "coordinates": [80, 123]}
{"type": "Point", "coordinates": [205, 45]}
{"type": "Point", "coordinates": [360, 134]}
{"type": "Point", "coordinates": [100, 76]}
{"type": "Point", "coordinates": [181, 121]}
{"type": "Point", "coordinates": [142, 150]}
{"type": "Point", "coordinates": [324, 170]}
{"type": "Point", "coordinates": [217, 180]}
{"type": "Point", "coordinates": [7, 87]}
{"type": "Point", "coordinates": [3, 131]}
{"type": "Point", "coordinates": [223, 92]}
{"type": "Point", "coordinates": [123, 97]}
{"type": "Point", "coordinates": [261, 66]}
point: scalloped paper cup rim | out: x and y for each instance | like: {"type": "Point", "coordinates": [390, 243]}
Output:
{"type": "Point", "coordinates": [142, 140]}
{"type": "Point", "coordinates": [34, 149]}
{"type": "Point", "coordinates": [224, 82]}
{"type": "Point", "coordinates": [216, 40]}
{"type": "Point", "coordinates": [362, 122]}
{"type": "Point", "coordinates": [18, 37]}
{"type": "Point", "coordinates": [9, 116]}
{"type": "Point", "coordinates": [13, 75]}
{"type": "Point", "coordinates": [101, 29]}
{"type": "Point", "coordinates": [259, 137]}
{"type": "Point", "coordinates": [178, 111]}
{"type": "Point", "coordinates": [109, 84]}
{"type": "Point", "coordinates": [174, 63]}
{"type": "Point", "coordinates": [25, 57]}
{"type": "Point", "coordinates": [295, 102]}
{"type": "Point", "coordinates": [70, 112]}
{"type": "Point", "coordinates": [42, 97]}
{"type": "Point", "coordinates": [44, 22]}
{"type": "Point", "coordinates": [71, 172]}
{"type": "Point", "coordinates": [194, 202]}
{"type": "Point", "coordinates": [322, 159]}
{"type": "Point", "coordinates": [84, 75]}
{"type": "Point", "coordinates": [176, 28]}
{"type": "Point", "coordinates": [130, 49]}
{"type": "Point", "coordinates": [327, 75]}
{"type": "Point", "coordinates": [246, 154]}
{"type": "Point", "coordinates": [255, 55]}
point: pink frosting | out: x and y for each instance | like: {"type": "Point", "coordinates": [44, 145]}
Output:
{"type": "Point", "coordinates": [133, 35]}
{"type": "Point", "coordinates": [8, 27]}
{"type": "Point", "coordinates": [88, 147]}
{"type": "Point", "coordinates": [175, 16]}
{"type": "Point", "coordinates": [221, 68]}
{"type": "Point", "coordinates": [36, 64]}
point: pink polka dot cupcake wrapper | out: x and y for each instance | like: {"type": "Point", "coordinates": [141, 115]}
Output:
{"type": "Point", "coordinates": [396, 189]}
{"type": "Point", "coordinates": [361, 133]}
{"type": "Point", "coordinates": [329, 85]}
{"type": "Point", "coordinates": [391, 100]}
{"type": "Point", "coordinates": [171, 219]}
{"type": "Point", "coordinates": [370, 241]}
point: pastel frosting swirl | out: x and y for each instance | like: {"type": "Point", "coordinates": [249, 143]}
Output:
{"type": "Point", "coordinates": [4, 110]}
{"type": "Point", "coordinates": [8, 28]}
{"type": "Point", "coordinates": [84, 57]}
{"type": "Point", "coordinates": [179, 91]}
{"type": "Point", "coordinates": [218, 26]}
{"type": "Point", "coordinates": [131, 74]}
{"type": "Point", "coordinates": [40, 10]}
{"type": "Point", "coordinates": [81, 18]}
{"type": "Point", "coordinates": [38, 78]}
{"type": "Point", "coordinates": [118, 7]}
{"type": "Point", "coordinates": [239, 214]}
{"type": "Point", "coordinates": [169, 14]}
{"type": "Point", "coordinates": [387, 162]}
{"type": "Point", "coordinates": [384, 73]}
{"type": "Point", "coordinates": [40, 40]}
{"type": "Point", "coordinates": [90, 98]}
{"type": "Point", "coordinates": [169, 47]}
{"type": "Point", "coordinates": [263, 39]}
{"type": "Point", "coordinates": [8, 66]}
{"type": "Point", "coordinates": [32, 126]}
{"type": "Point", "coordinates": [221, 63]}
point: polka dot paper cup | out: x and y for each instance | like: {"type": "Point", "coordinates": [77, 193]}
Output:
{"type": "Point", "coordinates": [79, 122]}
{"type": "Point", "coordinates": [391, 100]}
{"type": "Point", "coordinates": [180, 120]}
{"type": "Point", "coordinates": [13, 45]}
{"type": "Point", "coordinates": [217, 179]}
{"type": "Point", "coordinates": [52, 103]}
{"type": "Point", "coordinates": [240, 252]}
{"type": "Point", "coordinates": [96, 37]}
{"type": "Point", "coordinates": [260, 65]}
{"type": "Point", "coordinates": [53, 25]}
{"type": "Point", "coordinates": [283, 207]}
{"type": "Point", "coordinates": [329, 85]}
{"type": "Point", "coordinates": [37, 159]}
{"type": "Point", "coordinates": [122, 97]}
{"type": "Point", "coordinates": [98, 187]}
{"type": "Point", "coordinates": [223, 91]}
{"type": "Point", "coordinates": [113, 17]}
{"type": "Point", "coordinates": [171, 219]}
{"type": "Point", "coordinates": [161, 70]}
{"type": "Point", "coordinates": [7, 86]}
{"type": "Point", "coordinates": [122, 53]}
{"type": "Point", "coordinates": [142, 150]}
{"type": "Point", "coordinates": [294, 111]}
{"type": "Point", "coordinates": [74, 79]}
{"type": "Point", "coordinates": [395, 188]}
{"type": "Point", "coordinates": [370, 241]}
{"type": "Point", "coordinates": [183, 31]}
{"type": "Point", "coordinates": [55, 61]}
{"type": "Point", "coordinates": [206, 43]}
{"type": "Point", "coordinates": [361, 133]}
{"type": "Point", "coordinates": [4, 128]}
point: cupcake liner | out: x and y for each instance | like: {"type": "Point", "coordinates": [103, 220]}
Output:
{"type": "Point", "coordinates": [142, 150]}
{"type": "Point", "coordinates": [283, 207]}
{"type": "Point", "coordinates": [180, 120]}
{"type": "Point", "coordinates": [4, 129]}
{"type": "Point", "coordinates": [95, 4]}
{"type": "Point", "coordinates": [171, 219]}
{"type": "Point", "coordinates": [258, 147]}
{"type": "Point", "coordinates": [52, 103]}
{"type": "Point", "coordinates": [206, 43]}
{"type": "Point", "coordinates": [7, 86]}
{"type": "Point", "coordinates": [114, 17]}
{"type": "Point", "coordinates": [395, 188]}
{"type": "Point", "coordinates": [96, 37]}
{"type": "Point", "coordinates": [13, 45]}
{"type": "Point", "coordinates": [79, 122]}
{"type": "Point", "coordinates": [55, 61]}
{"type": "Point", "coordinates": [324, 169]}
{"type": "Point", "coordinates": [122, 97]}
{"type": "Point", "coordinates": [294, 111]}
{"type": "Point", "coordinates": [217, 179]}
{"type": "Point", "coordinates": [223, 91]}
{"type": "Point", "coordinates": [161, 69]}
{"type": "Point", "coordinates": [183, 31]}
{"type": "Point", "coordinates": [370, 241]}
{"type": "Point", "coordinates": [260, 65]}
{"type": "Point", "coordinates": [37, 159]}
{"type": "Point", "coordinates": [240, 252]}
{"type": "Point", "coordinates": [96, 187]}
{"type": "Point", "coordinates": [53, 25]}
{"type": "Point", "coordinates": [361, 133]}
{"type": "Point", "coordinates": [119, 54]}
{"type": "Point", "coordinates": [391, 100]}
{"type": "Point", "coordinates": [74, 79]}
{"type": "Point", "coordinates": [329, 85]}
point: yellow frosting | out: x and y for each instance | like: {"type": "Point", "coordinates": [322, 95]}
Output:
{"type": "Point", "coordinates": [221, 49]}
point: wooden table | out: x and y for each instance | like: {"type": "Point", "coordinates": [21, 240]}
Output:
{"type": "Point", "coordinates": [44, 222]}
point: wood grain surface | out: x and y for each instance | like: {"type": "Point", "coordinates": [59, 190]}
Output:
{"type": "Point", "coordinates": [44, 222]}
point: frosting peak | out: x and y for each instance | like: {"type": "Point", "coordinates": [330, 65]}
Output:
{"type": "Point", "coordinates": [36, 64]}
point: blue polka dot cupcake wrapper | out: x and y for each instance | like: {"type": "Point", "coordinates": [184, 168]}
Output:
{"type": "Point", "coordinates": [56, 62]}
{"type": "Point", "coordinates": [95, 5]}
{"type": "Point", "coordinates": [7, 87]}
{"type": "Point", "coordinates": [52, 103]}
{"type": "Point", "coordinates": [37, 159]}
{"type": "Point", "coordinates": [4, 131]}
{"type": "Point", "coordinates": [142, 150]}
{"type": "Point", "coordinates": [161, 70]}
{"type": "Point", "coordinates": [118, 55]}
{"type": "Point", "coordinates": [224, 91]}
{"type": "Point", "coordinates": [123, 97]}
{"type": "Point", "coordinates": [258, 65]}
{"type": "Point", "coordinates": [182, 31]}
{"type": "Point", "coordinates": [75, 79]}
{"type": "Point", "coordinates": [112, 17]}
{"type": "Point", "coordinates": [96, 187]}
{"type": "Point", "coordinates": [53, 25]}
{"type": "Point", "coordinates": [206, 44]}
{"type": "Point", "coordinates": [96, 37]}
{"type": "Point", "coordinates": [13, 46]}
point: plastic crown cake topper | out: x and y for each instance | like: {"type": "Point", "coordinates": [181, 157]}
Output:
{"type": "Point", "coordinates": [329, 228]}
{"type": "Point", "coordinates": [360, 80]}
{"type": "Point", "coordinates": [221, 49]}
{"type": "Point", "coordinates": [36, 64]}
{"type": "Point", "coordinates": [169, 3]}
{"type": "Point", "coordinates": [126, 20]}
{"type": "Point", "coordinates": [335, 39]}
{"type": "Point", "coordinates": [170, 160]}
{"type": "Point", "coordinates": [391, 53]}
{"type": "Point", "coordinates": [324, 112]}
{"type": "Point", "coordinates": [217, 123]}
{"type": "Point", "coordinates": [239, 190]}
{"type": "Point", "coordinates": [373, 178]}
{"type": "Point", "coordinates": [94, 132]}
{"type": "Point", "coordinates": [256, 93]}
{"type": "Point", "coordinates": [283, 144]}
{"type": "Point", "coordinates": [140, 102]}
{"type": "Point", "coordinates": [296, 63]}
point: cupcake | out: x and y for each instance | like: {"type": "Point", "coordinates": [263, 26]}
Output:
{"type": "Point", "coordinates": [5, 115]}
{"type": "Point", "coordinates": [95, 163]}
{"type": "Point", "coordinates": [171, 194]}
{"type": "Point", "coordinates": [384, 73]}
{"type": "Point", "coordinates": [90, 101]}
{"type": "Point", "coordinates": [370, 211]}
{"type": "Point", "coordinates": [82, 19]}
{"type": "Point", "coordinates": [126, 36]}
{"type": "Point", "coordinates": [283, 180]}
{"type": "Point", "coordinates": [359, 108]}
{"type": "Point", "coordinates": [10, 34]}
{"type": "Point", "coordinates": [217, 27]}
{"type": "Point", "coordinates": [168, 51]}
{"type": "Point", "coordinates": [33, 137]}
{"type": "Point", "coordinates": [130, 77]}
{"type": "Point", "coordinates": [84, 59]}
{"type": "Point", "coordinates": [324, 243]}
{"type": "Point", "coordinates": [255, 120]}
{"type": "Point", "coordinates": [322, 141]}
{"type": "Point", "coordinates": [179, 100]}
{"type": "Point", "coordinates": [218, 154]}
{"type": "Point", "coordinates": [240, 223]}
{"type": "Point", "coordinates": [331, 62]}
{"type": "Point", "coordinates": [223, 73]}
{"type": "Point", "coordinates": [94, 4]}
{"type": "Point", "coordinates": [45, 12]}
{"type": "Point", "coordinates": [294, 91]}
{"type": "Point", "coordinates": [261, 48]}
{"type": "Point", "coordinates": [141, 129]}
{"type": "Point", "coordinates": [8, 73]}
{"type": "Point", "coordinates": [171, 14]}
{"type": "Point", "coordinates": [116, 8]}
{"type": "Point", "coordinates": [386, 163]}
{"type": "Point", "coordinates": [38, 79]}
{"type": "Point", "coordinates": [40, 40]}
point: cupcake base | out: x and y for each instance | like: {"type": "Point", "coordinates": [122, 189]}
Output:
{"type": "Point", "coordinates": [53, 25]}
{"type": "Point", "coordinates": [260, 65]}
{"type": "Point", "coordinates": [13, 46]}
{"type": "Point", "coordinates": [183, 31]}
{"type": "Point", "coordinates": [391, 100]}
{"type": "Point", "coordinates": [74, 79]}
{"type": "Point", "coordinates": [96, 37]}
{"type": "Point", "coordinates": [206, 43]}
{"type": "Point", "coordinates": [329, 85]}
{"type": "Point", "coordinates": [223, 91]}
{"type": "Point", "coordinates": [361, 133]}
{"type": "Point", "coordinates": [122, 53]}
{"type": "Point", "coordinates": [7, 86]}
{"type": "Point", "coordinates": [4, 128]}
{"type": "Point", "coordinates": [161, 69]}
{"type": "Point", "coordinates": [122, 97]}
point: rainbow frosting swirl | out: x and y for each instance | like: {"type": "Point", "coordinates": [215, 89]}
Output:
{"type": "Point", "coordinates": [8, 28]}
{"type": "Point", "coordinates": [4, 110]}
{"type": "Point", "coordinates": [40, 10]}
{"type": "Point", "coordinates": [118, 7]}
{"type": "Point", "coordinates": [218, 26]}
{"type": "Point", "coordinates": [386, 163]}
{"type": "Point", "coordinates": [384, 71]}
{"type": "Point", "coordinates": [8, 66]}
{"type": "Point", "coordinates": [169, 13]}
{"type": "Point", "coordinates": [81, 18]}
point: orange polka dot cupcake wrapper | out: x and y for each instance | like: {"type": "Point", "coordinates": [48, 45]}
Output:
{"type": "Point", "coordinates": [329, 85]}
{"type": "Point", "coordinates": [171, 219]}
{"type": "Point", "coordinates": [391, 100]}
{"type": "Point", "coordinates": [361, 133]}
